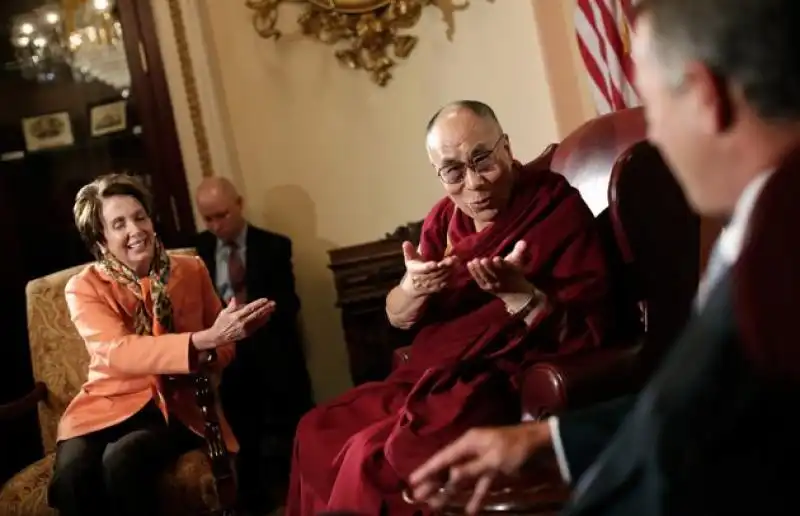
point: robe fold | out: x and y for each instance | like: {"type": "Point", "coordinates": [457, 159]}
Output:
{"type": "Point", "coordinates": [355, 452]}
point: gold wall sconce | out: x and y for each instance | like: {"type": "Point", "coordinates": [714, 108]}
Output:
{"type": "Point", "coordinates": [366, 30]}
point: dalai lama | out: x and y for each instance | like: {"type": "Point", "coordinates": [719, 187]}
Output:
{"type": "Point", "coordinates": [509, 269]}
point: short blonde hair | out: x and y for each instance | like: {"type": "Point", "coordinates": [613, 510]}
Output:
{"type": "Point", "coordinates": [88, 208]}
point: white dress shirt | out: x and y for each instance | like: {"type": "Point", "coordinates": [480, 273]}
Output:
{"type": "Point", "coordinates": [726, 251]}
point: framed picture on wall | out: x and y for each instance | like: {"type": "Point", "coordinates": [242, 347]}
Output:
{"type": "Point", "coordinates": [108, 118]}
{"type": "Point", "coordinates": [48, 131]}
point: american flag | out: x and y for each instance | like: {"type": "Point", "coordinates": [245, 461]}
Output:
{"type": "Point", "coordinates": [603, 31]}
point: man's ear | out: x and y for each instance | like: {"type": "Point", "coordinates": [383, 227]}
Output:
{"type": "Point", "coordinates": [712, 95]}
{"type": "Point", "coordinates": [725, 109]}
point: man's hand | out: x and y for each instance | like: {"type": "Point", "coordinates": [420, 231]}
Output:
{"type": "Point", "coordinates": [424, 278]}
{"type": "Point", "coordinates": [476, 459]}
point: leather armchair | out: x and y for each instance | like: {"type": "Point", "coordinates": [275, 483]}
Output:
{"type": "Point", "coordinates": [651, 239]}
{"type": "Point", "coordinates": [59, 358]}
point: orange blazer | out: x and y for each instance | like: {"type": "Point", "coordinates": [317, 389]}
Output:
{"type": "Point", "coordinates": [125, 368]}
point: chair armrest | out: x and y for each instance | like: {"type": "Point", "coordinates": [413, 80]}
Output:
{"type": "Point", "coordinates": [572, 381]}
{"type": "Point", "coordinates": [27, 403]}
{"type": "Point", "coordinates": [535, 497]}
{"type": "Point", "coordinates": [581, 379]}
{"type": "Point", "coordinates": [538, 490]}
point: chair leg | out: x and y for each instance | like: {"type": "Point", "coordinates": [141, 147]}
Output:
{"type": "Point", "coordinates": [221, 463]}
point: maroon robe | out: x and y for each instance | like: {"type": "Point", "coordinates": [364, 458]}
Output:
{"type": "Point", "coordinates": [355, 452]}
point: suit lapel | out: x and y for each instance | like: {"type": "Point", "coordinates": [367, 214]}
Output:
{"type": "Point", "coordinates": [212, 264]}
{"type": "Point", "coordinates": [249, 259]}
{"type": "Point", "coordinates": [209, 255]}
{"type": "Point", "coordinates": [207, 249]}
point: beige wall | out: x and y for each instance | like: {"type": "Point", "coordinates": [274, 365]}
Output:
{"type": "Point", "coordinates": [572, 102]}
{"type": "Point", "coordinates": [330, 159]}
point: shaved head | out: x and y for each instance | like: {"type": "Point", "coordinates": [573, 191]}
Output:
{"type": "Point", "coordinates": [457, 118]}
{"type": "Point", "coordinates": [221, 207]}
{"type": "Point", "coordinates": [477, 108]}
{"type": "Point", "coordinates": [217, 186]}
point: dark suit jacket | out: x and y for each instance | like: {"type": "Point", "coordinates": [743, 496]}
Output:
{"type": "Point", "coordinates": [269, 371]}
{"type": "Point", "coordinates": [269, 272]}
{"type": "Point", "coordinates": [715, 431]}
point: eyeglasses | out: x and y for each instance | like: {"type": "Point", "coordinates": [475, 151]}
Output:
{"type": "Point", "coordinates": [480, 163]}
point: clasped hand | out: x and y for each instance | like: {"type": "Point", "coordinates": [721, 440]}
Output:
{"type": "Point", "coordinates": [235, 321]}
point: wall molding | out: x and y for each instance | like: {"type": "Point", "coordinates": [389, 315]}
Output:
{"type": "Point", "coordinates": [191, 64]}
{"type": "Point", "coordinates": [190, 88]}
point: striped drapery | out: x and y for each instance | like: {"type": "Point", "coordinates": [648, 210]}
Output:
{"type": "Point", "coordinates": [603, 31]}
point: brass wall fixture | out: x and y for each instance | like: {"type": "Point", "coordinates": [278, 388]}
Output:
{"type": "Point", "coordinates": [370, 33]}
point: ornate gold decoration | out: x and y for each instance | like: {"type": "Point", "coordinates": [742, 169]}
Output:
{"type": "Point", "coordinates": [369, 27]}
{"type": "Point", "coordinates": [190, 88]}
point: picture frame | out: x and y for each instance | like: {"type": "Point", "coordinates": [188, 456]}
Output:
{"type": "Point", "coordinates": [48, 131]}
{"type": "Point", "coordinates": [108, 118]}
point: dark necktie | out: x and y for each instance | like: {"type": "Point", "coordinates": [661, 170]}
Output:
{"type": "Point", "coordinates": [236, 273]}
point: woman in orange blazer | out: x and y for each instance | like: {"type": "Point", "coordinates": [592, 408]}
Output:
{"type": "Point", "coordinates": [143, 315]}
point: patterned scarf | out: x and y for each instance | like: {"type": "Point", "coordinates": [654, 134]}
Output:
{"type": "Point", "coordinates": [153, 286]}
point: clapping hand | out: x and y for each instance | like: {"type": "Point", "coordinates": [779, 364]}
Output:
{"type": "Point", "coordinates": [501, 275]}
{"type": "Point", "coordinates": [235, 321]}
{"type": "Point", "coordinates": [424, 278]}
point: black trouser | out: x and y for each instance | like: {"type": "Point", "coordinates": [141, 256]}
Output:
{"type": "Point", "coordinates": [260, 401]}
{"type": "Point", "coordinates": [255, 464]}
{"type": "Point", "coordinates": [115, 471]}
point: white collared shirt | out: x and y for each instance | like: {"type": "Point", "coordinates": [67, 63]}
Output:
{"type": "Point", "coordinates": [731, 240]}
{"type": "Point", "coordinates": [727, 249]}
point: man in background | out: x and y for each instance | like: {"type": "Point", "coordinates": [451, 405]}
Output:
{"type": "Point", "coordinates": [267, 388]}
